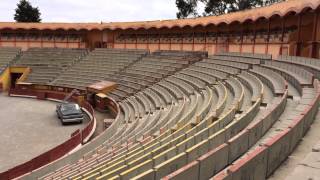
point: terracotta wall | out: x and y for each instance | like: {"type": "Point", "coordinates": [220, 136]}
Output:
{"type": "Point", "coordinates": [108, 38]}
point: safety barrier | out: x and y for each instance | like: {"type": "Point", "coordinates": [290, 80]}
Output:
{"type": "Point", "coordinates": [265, 159]}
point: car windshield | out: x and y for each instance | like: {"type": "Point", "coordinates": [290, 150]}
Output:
{"type": "Point", "coordinates": [70, 107]}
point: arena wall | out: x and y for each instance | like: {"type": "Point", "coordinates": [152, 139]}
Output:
{"type": "Point", "coordinates": [294, 33]}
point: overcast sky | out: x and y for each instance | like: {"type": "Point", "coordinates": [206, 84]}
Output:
{"type": "Point", "coordinates": [95, 10]}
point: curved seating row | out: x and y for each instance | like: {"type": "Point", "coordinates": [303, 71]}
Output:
{"type": "Point", "coordinates": [48, 63]}
{"type": "Point", "coordinates": [274, 80]}
{"type": "Point", "coordinates": [301, 76]}
{"type": "Point", "coordinates": [247, 55]}
{"type": "Point", "coordinates": [311, 64]}
{"type": "Point", "coordinates": [7, 57]}
{"type": "Point", "coordinates": [97, 66]}
{"type": "Point", "coordinates": [244, 60]}
{"type": "Point", "coordinates": [233, 64]}
{"type": "Point", "coordinates": [234, 88]}
{"type": "Point", "coordinates": [260, 161]}
{"type": "Point", "coordinates": [204, 121]}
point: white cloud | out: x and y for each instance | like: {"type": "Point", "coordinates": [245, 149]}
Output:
{"type": "Point", "coordinates": [95, 10]}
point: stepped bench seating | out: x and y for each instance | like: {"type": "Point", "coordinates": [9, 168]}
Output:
{"type": "Point", "coordinates": [273, 148]}
{"type": "Point", "coordinates": [125, 130]}
{"type": "Point", "coordinates": [240, 59]}
{"type": "Point", "coordinates": [101, 64]}
{"type": "Point", "coordinates": [253, 84]}
{"type": "Point", "coordinates": [234, 88]}
{"type": "Point", "coordinates": [196, 55]}
{"type": "Point", "coordinates": [298, 76]}
{"type": "Point", "coordinates": [193, 127]}
{"type": "Point", "coordinates": [48, 63]}
{"type": "Point", "coordinates": [217, 158]}
{"type": "Point", "coordinates": [274, 80]}
{"type": "Point", "coordinates": [7, 57]}
{"type": "Point", "coordinates": [247, 55]}
{"type": "Point", "coordinates": [154, 68]}
{"type": "Point", "coordinates": [311, 64]}
{"type": "Point", "coordinates": [228, 69]}
{"type": "Point", "coordinates": [233, 64]}
{"type": "Point", "coordinates": [269, 147]}
{"type": "Point", "coordinates": [129, 171]}
{"type": "Point", "coordinates": [209, 80]}
{"type": "Point", "coordinates": [221, 75]}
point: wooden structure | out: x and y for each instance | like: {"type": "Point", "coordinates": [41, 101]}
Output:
{"type": "Point", "coordinates": [96, 94]}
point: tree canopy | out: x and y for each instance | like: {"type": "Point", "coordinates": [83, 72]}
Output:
{"type": "Point", "coordinates": [26, 13]}
{"type": "Point", "coordinates": [187, 8]}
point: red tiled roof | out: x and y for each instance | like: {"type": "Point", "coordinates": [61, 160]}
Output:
{"type": "Point", "coordinates": [278, 9]}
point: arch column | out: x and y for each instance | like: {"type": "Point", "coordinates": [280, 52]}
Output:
{"type": "Point", "coordinates": [314, 43]}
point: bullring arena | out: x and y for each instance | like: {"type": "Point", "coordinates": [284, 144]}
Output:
{"type": "Point", "coordinates": [234, 96]}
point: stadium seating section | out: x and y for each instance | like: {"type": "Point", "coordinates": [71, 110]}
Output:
{"type": "Point", "coordinates": [7, 57]}
{"type": "Point", "coordinates": [48, 63]}
{"type": "Point", "coordinates": [184, 115]}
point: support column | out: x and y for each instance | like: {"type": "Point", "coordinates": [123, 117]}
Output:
{"type": "Point", "coordinates": [67, 34]}
{"type": "Point", "coordinates": [314, 45]}
{"type": "Point", "coordinates": [148, 41]}
{"type": "Point", "coordinates": [182, 43]}
{"type": "Point", "coordinates": [0, 39]}
{"type": "Point", "coordinates": [268, 37]}
{"type": "Point", "coordinates": [41, 39]}
{"type": "Point", "coordinates": [254, 38]}
{"type": "Point", "coordinates": [125, 43]}
{"type": "Point", "coordinates": [28, 40]}
{"type": "Point", "coordinates": [54, 39]}
{"type": "Point", "coordinates": [136, 45]}
{"type": "Point", "coordinates": [241, 39]}
{"type": "Point", "coordinates": [228, 39]}
{"type": "Point", "coordinates": [192, 41]}
{"type": "Point", "coordinates": [159, 36]}
{"type": "Point", "coordinates": [298, 46]}
{"type": "Point", "coordinates": [205, 41]}
{"type": "Point", "coordinates": [113, 39]}
{"type": "Point", "coordinates": [15, 40]}
{"type": "Point", "coordinates": [80, 36]}
{"type": "Point", "coordinates": [170, 43]}
{"type": "Point", "coordinates": [282, 35]}
{"type": "Point", "coordinates": [216, 49]}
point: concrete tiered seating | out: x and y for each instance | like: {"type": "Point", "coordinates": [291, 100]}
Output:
{"type": "Point", "coordinates": [204, 105]}
{"type": "Point", "coordinates": [7, 57]}
{"type": "Point", "coordinates": [298, 76]}
{"type": "Point", "coordinates": [97, 66]}
{"type": "Point", "coordinates": [242, 59]}
{"type": "Point", "coordinates": [205, 121]}
{"type": "Point", "coordinates": [247, 55]}
{"type": "Point", "coordinates": [278, 136]}
{"type": "Point", "coordinates": [48, 63]}
{"type": "Point", "coordinates": [312, 65]}
{"type": "Point", "coordinates": [152, 69]}
{"type": "Point", "coordinates": [197, 55]}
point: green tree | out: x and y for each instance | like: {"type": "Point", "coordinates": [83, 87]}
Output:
{"type": "Point", "coordinates": [26, 13]}
{"type": "Point", "coordinates": [217, 7]}
{"type": "Point", "coordinates": [186, 8]}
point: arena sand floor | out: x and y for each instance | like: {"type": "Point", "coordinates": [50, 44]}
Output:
{"type": "Point", "coordinates": [28, 128]}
